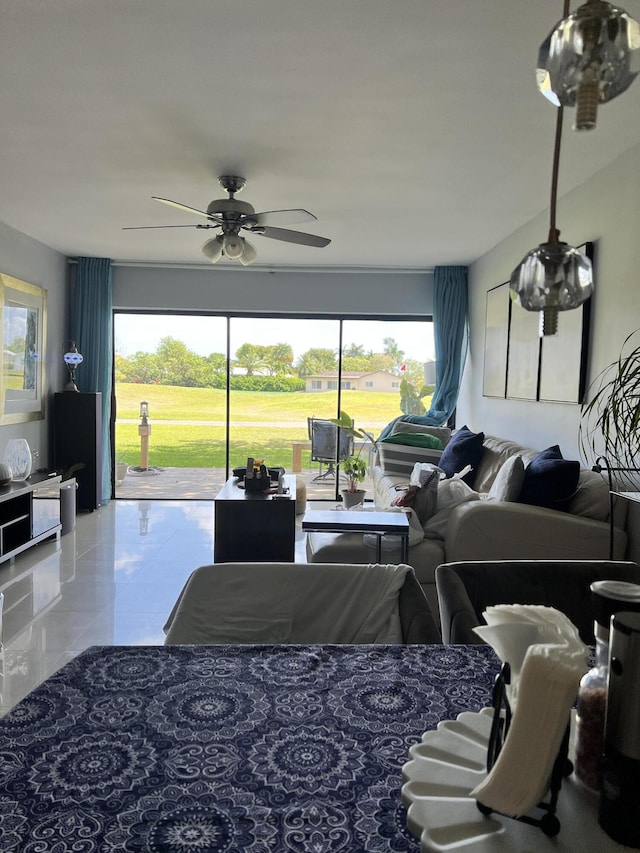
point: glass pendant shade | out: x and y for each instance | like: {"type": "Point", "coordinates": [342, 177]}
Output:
{"type": "Point", "coordinates": [212, 249]}
{"type": "Point", "coordinates": [551, 278]}
{"type": "Point", "coordinates": [249, 254]}
{"type": "Point", "coordinates": [233, 246]}
{"type": "Point", "coordinates": [589, 58]}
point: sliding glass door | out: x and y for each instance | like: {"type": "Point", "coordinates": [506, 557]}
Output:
{"type": "Point", "coordinates": [221, 389]}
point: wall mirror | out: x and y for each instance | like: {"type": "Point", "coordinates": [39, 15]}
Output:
{"type": "Point", "coordinates": [23, 323]}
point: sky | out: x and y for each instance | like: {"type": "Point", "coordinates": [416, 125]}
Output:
{"type": "Point", "coordinates": [204, 335]}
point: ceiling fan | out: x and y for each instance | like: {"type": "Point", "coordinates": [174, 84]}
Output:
{"type": "Point", "coordinates": [233, 216]}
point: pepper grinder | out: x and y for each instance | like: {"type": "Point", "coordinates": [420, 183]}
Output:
{"type": "Point", "coordinates": [619, 814]}
{"type": "Point", "coordinates": [608, 597]}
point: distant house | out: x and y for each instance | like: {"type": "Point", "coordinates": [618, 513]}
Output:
{"type": "Point", "coordinates": [379, 380]}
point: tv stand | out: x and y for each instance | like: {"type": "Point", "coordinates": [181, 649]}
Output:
{"type": "Point", "coordinates": [29, 513]}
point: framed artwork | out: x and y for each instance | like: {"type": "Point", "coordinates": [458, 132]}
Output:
{"type": "Point", "coordinates": [23, 322]}
{"type": "Point", "coordinates": [523, 360]}
{"type": "Point", "coordinates": [563, 361]}
{"type": "Point", "coordinates": [496, 341]}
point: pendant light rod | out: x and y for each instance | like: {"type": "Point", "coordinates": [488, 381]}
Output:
{"type": "Point", "coordinates": [554, 234]}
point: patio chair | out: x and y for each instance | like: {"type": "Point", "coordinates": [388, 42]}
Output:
{"type": "Point", "coordinates": [323, 446]}
{"type": "Point", "coordinates": [298, 603]}
{"type": "Point", "coordinates": [466, 589]}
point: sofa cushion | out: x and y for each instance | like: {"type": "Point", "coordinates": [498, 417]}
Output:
{"type": "Point", "coordinates": [509, 480]}
{"type": "Point", "coordinates": [464, 448]}
{"type": "Point", "coordinates": [495, 453]}
{"type": "Point", "coordinates": [591, 498]}
{"type": "Point", "coordinates": [550, 480]}
{"type": "Point", "coordinates": [350, 548]}
{"type": "Point", "coordinates": [397, 460]}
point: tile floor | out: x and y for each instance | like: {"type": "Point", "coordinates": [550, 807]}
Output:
{"type": "Point", "coordinates": [112, 581]}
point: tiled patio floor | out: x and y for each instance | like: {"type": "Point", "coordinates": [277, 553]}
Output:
{"type": "Point", "coordinates": [204, 484]}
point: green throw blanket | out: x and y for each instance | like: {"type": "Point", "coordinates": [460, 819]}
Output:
{"type": "Point", "coordinates": [414, 439]}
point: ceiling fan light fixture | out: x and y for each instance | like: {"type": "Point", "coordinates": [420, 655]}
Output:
{"type": "Point", "coordinates": [589, 58]}
{"type": "Point", "coordinates": [249, 255]}
{"type": "Point", "coordinates": [212, 249]}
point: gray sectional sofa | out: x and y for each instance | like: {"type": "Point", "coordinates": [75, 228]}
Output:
{"type": "Point", "coordinates": [484, 528]}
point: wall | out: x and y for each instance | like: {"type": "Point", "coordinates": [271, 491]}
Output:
{"type": "Point", "coordinates": [259, 291]}
{"type": "Point", "coordinates": [31, 261]}
{"type": "Point", "coordinates": [606, 210]}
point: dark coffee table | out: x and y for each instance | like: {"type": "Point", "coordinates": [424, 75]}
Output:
{"type": "Point", "coordinates": [252, 527]}
{"type": "Point", "coordinates": [378, 522]}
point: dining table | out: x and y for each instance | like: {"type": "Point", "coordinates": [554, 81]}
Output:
{"type": "Point", "coordinates": [231, 748]}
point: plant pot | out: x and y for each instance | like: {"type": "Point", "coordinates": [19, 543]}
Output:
{"type": "Point", "coordinates": [351, 499]}
{"type": "Point", "coordinates": [121, 471]}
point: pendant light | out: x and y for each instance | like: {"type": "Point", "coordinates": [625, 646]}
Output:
{"type": "Point", "coordinates": [554, 276]}
{"type": "Point", "coordinates": [589, 58]}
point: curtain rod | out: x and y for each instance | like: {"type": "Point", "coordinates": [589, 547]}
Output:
{"type": "Point", "coordinates": [273, 269]}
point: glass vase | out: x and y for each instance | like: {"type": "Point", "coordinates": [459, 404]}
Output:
{"type": "Point", "coordinates": [17, 456]}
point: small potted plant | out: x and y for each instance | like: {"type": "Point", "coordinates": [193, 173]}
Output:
{"type": "Point", "coordinates": [354, 467]}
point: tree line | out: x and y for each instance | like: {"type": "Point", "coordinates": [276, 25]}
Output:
{"type": "Point", "coordinates": [173, 363]}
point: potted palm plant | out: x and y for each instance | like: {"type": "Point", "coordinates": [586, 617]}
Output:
{"type": "Point", "coordinates": [354, 467]}
{"type": "Point", "coordinates": [610, 419]}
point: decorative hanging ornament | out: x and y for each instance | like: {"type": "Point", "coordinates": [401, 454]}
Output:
{"type": "Point", "coordinates": [72, 359]}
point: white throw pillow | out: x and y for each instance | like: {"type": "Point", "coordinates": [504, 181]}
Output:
{"type": "Point", "coordinates": [508, 482]}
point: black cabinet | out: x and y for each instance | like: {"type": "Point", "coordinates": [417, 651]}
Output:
{"type": "Point", "coordinates": [77, 440]}
{"type": "Point", "coordinates": [254, 527]}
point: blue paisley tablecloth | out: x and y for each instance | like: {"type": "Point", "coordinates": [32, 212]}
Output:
{"type": "Point", "coordinates": [227, 749]}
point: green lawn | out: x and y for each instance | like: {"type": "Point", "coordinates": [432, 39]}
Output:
{"type": "Point", "coordinates": [203, 446]}
{"type": "Point", "coordinates": [167, 402]}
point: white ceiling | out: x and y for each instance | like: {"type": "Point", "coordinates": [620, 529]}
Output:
{"type": "Point", "coordinates": [412, 129]}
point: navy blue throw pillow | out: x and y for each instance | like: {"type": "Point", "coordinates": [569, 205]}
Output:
{"type": "Point", "coordinates": [549, 480]}
{"type": "Point", "coordinates": [464, 448]}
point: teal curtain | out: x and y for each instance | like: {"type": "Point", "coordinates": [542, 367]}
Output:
{"type": "Point", "coordinates": [92, 330]}
{"type": "Point", "coordinates": [450, 325]}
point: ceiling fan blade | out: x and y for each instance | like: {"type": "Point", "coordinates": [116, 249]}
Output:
{"type": "Point", "coordinates": [180, 206]}
{"type": "Point", "coordinates": [284, 217]}
{"type": "Point", "coordinates": [293, 236]}
{"type": "Point", "coordinates": [143, 227]}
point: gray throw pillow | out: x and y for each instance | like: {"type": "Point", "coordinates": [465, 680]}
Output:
{"type": "Point", "coordinates": [508, 482]}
